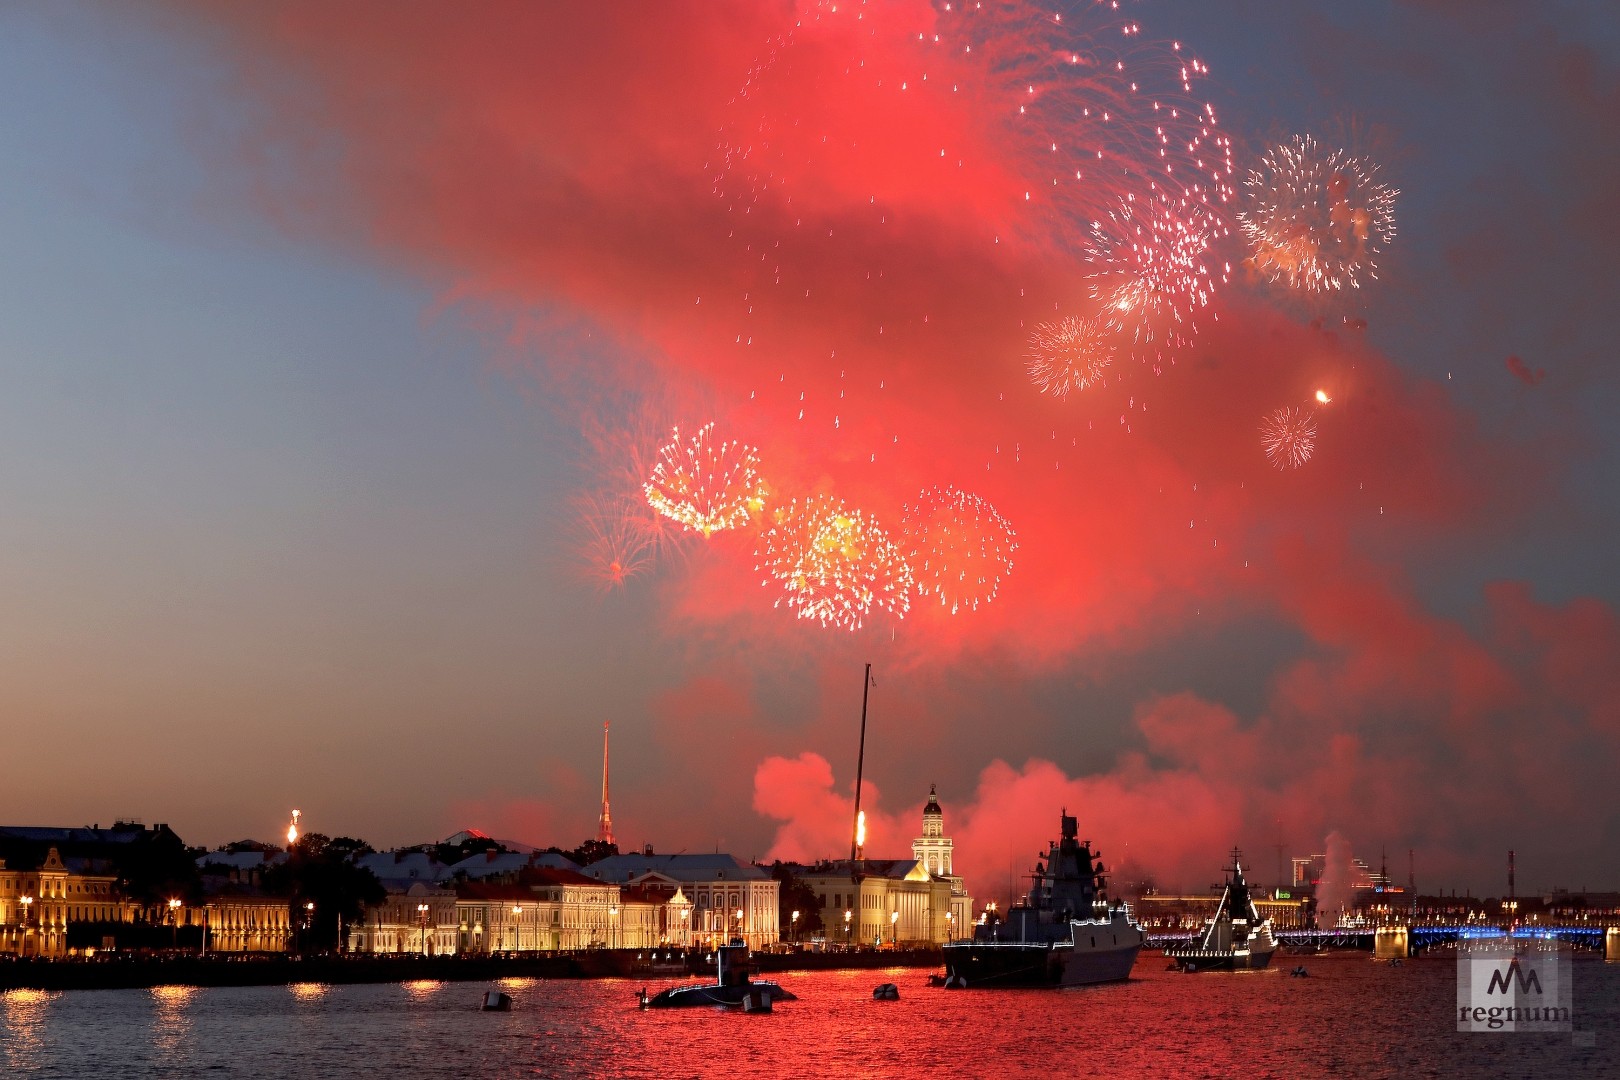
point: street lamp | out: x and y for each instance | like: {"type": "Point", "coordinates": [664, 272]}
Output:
{"type": "Point", "coordinates": [421, 915]}
{"type": "Point", "coordinates": [613, 918]}
{"type": "Point", "coordinates": [847, 916]}
{"type": "Point", "coordinates": [894, 919]}
{"type": "Point", "coordinates": [309, 916]}
{"type": "Point", "coordinates": [950, 926]}
{"type": "Point", "coordinates": [174, 922]}
{"type": "Point", "coordinates": [739, 932]}
{"type": "Point", "coordinates": [686, 938]}
{"type": "Point", "coordinates": [517, 927]}
{"type": "Point", "coordinates": [26, 902]}
{"type": "Point", "coordinates": [795, 927]}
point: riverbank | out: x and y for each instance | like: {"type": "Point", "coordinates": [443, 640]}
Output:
{"type": "Point", "coordinates": [130, 973]}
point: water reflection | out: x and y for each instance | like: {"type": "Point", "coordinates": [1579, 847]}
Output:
{"type": "Point", "coordinates": [25, 1013]}
{"type": "Point", "coordinates": [172, 1024]}
{"type": "Point", "coordinates": [307, 992]}
{"type": "Point", "coordinates": [421, 989]}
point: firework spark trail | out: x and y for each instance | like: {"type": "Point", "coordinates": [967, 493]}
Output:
{"type": "Point", "coordinates": [1068, 355]}
{"type": "Point", "coordinates": [706, 484]}
{"type": "Point", "coordinates": [1151, 267]}
{"type": "Point", "coordinates": [1100, 112]}
{"type": "Point", "coordinates": [961, 548]}
{"type": "Point", "coordinates": [619, 538]}
{"type": "Point", "coordinates": [1038, 120]}
{"type": "Point", "coordinates": [1317, 219]}
{"type": "Point", "coordinates": [833, 563]}
{"type": "Point", "coordinates": [1289, 436]}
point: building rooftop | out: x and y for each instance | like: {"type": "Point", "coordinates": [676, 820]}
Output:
{"type": "Point", "coordinates": [700, 867]}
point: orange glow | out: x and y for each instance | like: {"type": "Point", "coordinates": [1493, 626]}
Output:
{"type": "Point", "coordinates": [292, 830]}
{"type": "Point", "coordinates": [860, 829]}
{"type": "Point", "coordinates": [1322, 396]}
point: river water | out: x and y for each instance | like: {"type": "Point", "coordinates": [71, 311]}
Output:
{"type": "Point", "coordinates": [1352, 1017]}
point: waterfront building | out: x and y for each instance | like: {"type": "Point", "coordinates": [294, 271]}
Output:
{"type": "Point", "coordinates": [722, 896]}
{"type": "Point", "coordinates": [890, 902]}
{"type": "Point", "coordinates": [59, 887]}
{"type": "Point", "coordinates": [933, 849]}
{"type": "Point", "coordinates": [421, 918]}
{"type": "Point", "coordinates": [239, 918]}
{"type": "Point", "coordinates": [915, 902]}
{"type": "Point", "coordinates": [543, 909]}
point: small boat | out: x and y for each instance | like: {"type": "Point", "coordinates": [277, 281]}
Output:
{"type": "Point", "coordinates": [495, 1001]}
{"type": "Point", "coordinates": [886, 992]}
{"type": "Point", "coordinates": [732, 988]}
{"type": "Point", "coordinates": [1236, 937]}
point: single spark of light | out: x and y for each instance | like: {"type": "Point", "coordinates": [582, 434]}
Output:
{"type": "Point", "coordinates": [1323, 397]}
{"type": "Point", "coordinates": [1289, 436]}
{"type": "Point", "coordinates": [1317, 220]}
{"type": "Point", "coordinates": [704, 483]}
{"type": "Point", "coordinates": [961, 548]}
{"type": "Point", "coordinates": [833, 563]}
{"type": "Point", "coordinates": [1069, 355]}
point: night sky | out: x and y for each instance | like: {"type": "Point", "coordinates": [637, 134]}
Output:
{"type": "Point", "coordinates": [337, 342]}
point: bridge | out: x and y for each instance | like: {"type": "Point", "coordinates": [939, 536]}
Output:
{"type": "Point", "coordinates": [1422, 938]}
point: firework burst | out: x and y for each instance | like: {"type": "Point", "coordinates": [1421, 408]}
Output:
{"type": "Point", "coordinates": [1069, 355]}
{"type": "Point", "coordinates": [1149, 265]}
{"type": "Point", "coordinates": [706, 484]}
{"type": "Point", "coordinates": [1317, 220]}
{"type": "Point", "coordinates": [833, 563]}
{"type": "Point", "coordinates": [619, 538]}
{"type": "Point", "coordinates": [1289, 436]}
{"type": "Point", "coordinates": [961, 548]}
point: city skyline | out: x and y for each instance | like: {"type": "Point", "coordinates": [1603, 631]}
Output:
{"type": "Point", "coordinates": [341, 346]}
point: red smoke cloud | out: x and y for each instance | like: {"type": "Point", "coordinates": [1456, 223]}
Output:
{"type": "Point", "coordinates": [749, 206]}
{"type": "Point", "coordinates": [1523, 372]}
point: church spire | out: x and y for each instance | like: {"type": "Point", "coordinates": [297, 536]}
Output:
{"type": "Point", "coordinates": [604, 825]}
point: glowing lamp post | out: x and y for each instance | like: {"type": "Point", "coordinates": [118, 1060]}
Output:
{"type": "Point", "coordinates": [795, 923]}
{"type": "Point", "coordinates": [894, 925]}
{"type": "Point", "coordinates": [309, 916]}
{"type": "Point", "coordinates": [950, 926]}
{"type": "Point", "coordinates": [686, 937]}
{"type": "Point", "coordinates": [613, 919]}
{"type": "Point", "coordinates": [174, 922]}
{"type": "Point", "coordinates": [421, 917]}
{"type": "Point", "coordinates": [847, 916]}
{"type": "Point", "coordinates": [26, 902]}
{"type": "Point", "coordinates": [739, 932]}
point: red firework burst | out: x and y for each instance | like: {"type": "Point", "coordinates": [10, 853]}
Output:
{"type": "Point", "coordinates": [833, 563]}
{"type": "Point", "coordinates": [961, 548]}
